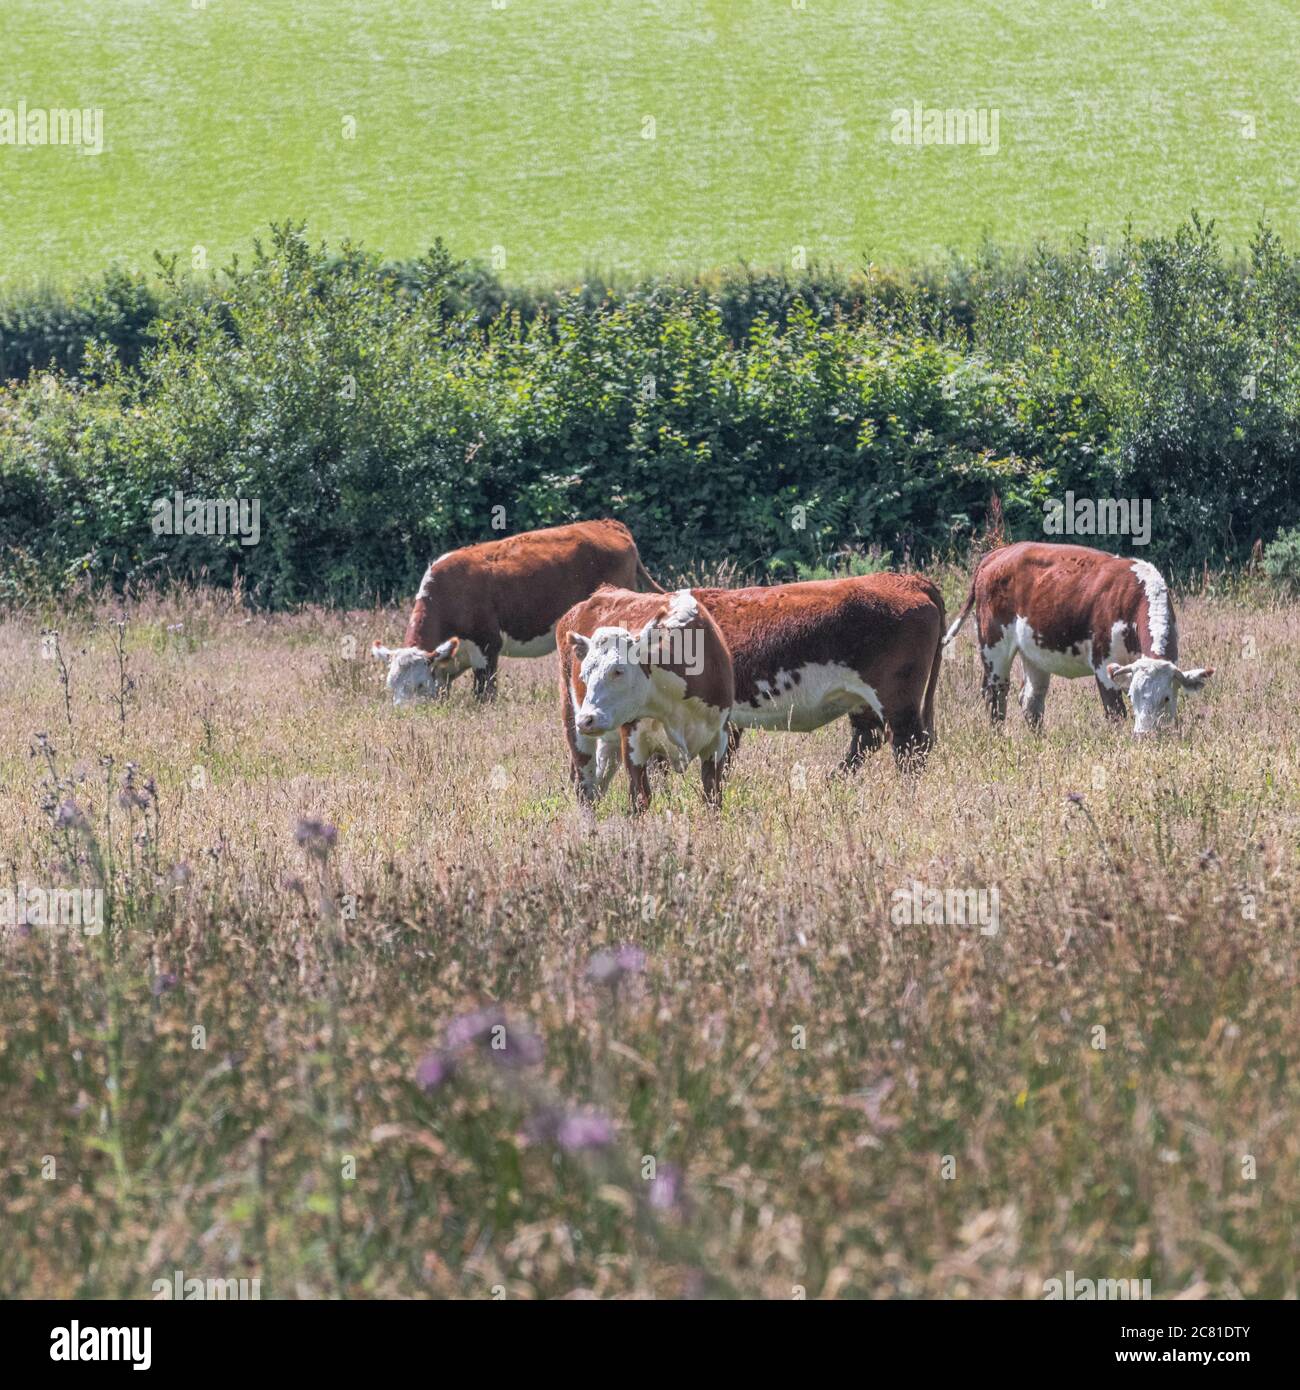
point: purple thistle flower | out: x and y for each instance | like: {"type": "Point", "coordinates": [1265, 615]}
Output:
{"type": "Point", "coordinates": [511, 1044]}
{"type": "Point", "coordinates": [70, 816]}
{"type": "Point", "coordinates": [667, 1189]}
{"type": "Point", "coordinates": [580, 1130]}
{"type": "Point", "coordinates": [609, 967]}
{"type": "Point", "coordinates": [474, 1027]}
{"type": "Point", "coordinates": [163, 982]}
{"type": "Point", "coordinates": [316, 836]}
{"type": "Point", "coordinates": [433, 1070]}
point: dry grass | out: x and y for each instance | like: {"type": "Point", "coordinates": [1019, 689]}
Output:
{"type": "Point", "coordinates": [950, 1128]}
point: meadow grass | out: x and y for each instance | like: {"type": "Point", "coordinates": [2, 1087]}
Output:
{"type": "Point", "coordinates": [789, 1093]}
{"type": "Point", "coordinates": [519, 130]}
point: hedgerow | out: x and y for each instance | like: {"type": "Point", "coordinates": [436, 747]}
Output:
{"type": "Point", "coordinates": [381, 414]}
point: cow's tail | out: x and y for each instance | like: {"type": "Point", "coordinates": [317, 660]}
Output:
{"type": "Point", "coordinates": [961, 617]}
{"type": "Point", "coordinates": [644, 577]}
{"type": "Point", "coordinates": [927, 706]}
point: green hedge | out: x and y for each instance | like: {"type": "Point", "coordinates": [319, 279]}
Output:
{"type": "Point", "coordinates": [381, 414]}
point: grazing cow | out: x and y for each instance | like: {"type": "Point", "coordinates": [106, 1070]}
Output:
{"type": "Point", "coordinates": [1073, 611]}
{"type": "Point", "coordinates": [503, 598]}
{"type": "Point", "coordinates": [646, 675]}
{"type": "Point", "coordinates": [808, 653]}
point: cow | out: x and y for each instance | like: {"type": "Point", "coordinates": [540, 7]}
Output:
{"type": "Point", "coordinates": [503, 598]}
{"type": "Point", "coordinates": [1069, 610]}
{"type": "Point", "coordinates": [808, 653]}
{"type": "Point", "coordinates": [643, 676]}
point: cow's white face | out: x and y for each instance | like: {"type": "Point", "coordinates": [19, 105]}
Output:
{"type": "Point", "coordinates": [415, 674]}
{"type": "Point", "coordinates": [618, 687]}
{"type": "Point", "coordinates": [1153, 686]}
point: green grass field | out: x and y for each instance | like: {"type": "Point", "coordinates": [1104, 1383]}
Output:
{"type": "Point", "coordinates": [523, 127]}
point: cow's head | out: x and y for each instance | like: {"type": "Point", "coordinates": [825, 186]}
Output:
{"type": "Point", "coordinates": [413, 672]}
{"type": "Point", "coordinates": [1153, 685]}
{"type": "Point", "coordinates": [612, 669]}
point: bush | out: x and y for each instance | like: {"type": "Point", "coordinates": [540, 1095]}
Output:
{"type": "Point", "coordinates": [47, 330]}
{"type": "Point", "coordinates": [381, 414]}
{"type": "Point", "coordinates": [1282, 562]}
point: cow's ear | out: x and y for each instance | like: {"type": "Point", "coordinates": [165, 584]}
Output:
{"type": "Point", "coordinates": [1195, 679]}
{"type": "Point", "coordinates": [1121, 675]}
{"type": "Point", "coordinates": [648, 641]}
{"type": "Point", "coordinates": [446, 651]}
{"type": "Point", "coordinates": [380, 653]}
{"type": "Point", "coordinates": [579, 645]}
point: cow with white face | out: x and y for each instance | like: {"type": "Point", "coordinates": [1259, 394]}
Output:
{"type": "Point", "coordinates": [503, 598]}
{"type": "Point", "coordinates": [643, 675]}
{"type": "Point", "coordinates": [415, 674]}
{"type": "Point", "coordinates": [1069, 610]}
{"type": "Point", "coordinates": [1153, 686]}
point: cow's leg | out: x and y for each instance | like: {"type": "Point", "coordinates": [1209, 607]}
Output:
{"type": "Point", "coordinates": [911, 739]}
{"type": "Point", "coordinates": [713, 768]}
{"type": "Point", "coordinates": [485, 676]}
{"type": "Point", "coordinates": [1112, 701]}
{"type": "Point", "coordinates": [733, 746]}
{"type": "Point", "coordinates": [1033, 694]}
{"type": "Point", "coordinates": [606, 765]}
{"type": "Point", "coordinates": [638, 777]}
{"type": "Point", "coordinates": [997, 652]}
{"type": "Point", "coordinates": [868, 733]}
{"type": "Point", "coordinates": [590, 762]}
{"type": "Point", "coordinates": [584, 768]}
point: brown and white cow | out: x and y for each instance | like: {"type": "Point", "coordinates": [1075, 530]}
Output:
{"type": "Point", "coordinates": [503, 598]}
{"type": "Point", "coordinates": [646, 675]}
{"type": "Point", "coordinates": [808, 653]}
{"type": "Point", "coordinates": [1069, 610]}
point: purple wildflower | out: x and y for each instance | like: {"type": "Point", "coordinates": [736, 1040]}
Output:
{"type": "Point", "coordinates": [316, 836]}
{"type": "Point", "coordinates": [581, 1130]}
{"type": "Point", "coordinates": [475, 1027]}
{"type": "Point", "coordinates": [667, 1189]}
{"type": "Point", "coordinates": [70, 816]}
{"type": "Point", "coordinates": [433, 1070]}
{"type": "Point", "coordinates": [609, 967]}
{"type": "Point", "coordinates": [511, 1044]}
{"type": "Point", "coordinates": [168, 979]}
{"type": "Point", "coordinates": [570, 1129]}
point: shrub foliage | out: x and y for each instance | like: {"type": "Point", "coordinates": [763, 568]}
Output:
{"type": "Point", "coordinates": [380, 414]}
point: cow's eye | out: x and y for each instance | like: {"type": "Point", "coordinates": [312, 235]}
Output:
{"type": "Point", "coordinates": [615, 674]}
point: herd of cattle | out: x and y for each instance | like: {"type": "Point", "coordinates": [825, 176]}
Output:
{"type": "Point", "coordinates": [680, 675]}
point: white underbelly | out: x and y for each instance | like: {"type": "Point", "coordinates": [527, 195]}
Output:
{"type": "Point", "coordinates": [1070, 664]}
{"type": "Point", "coordinates": [823, 692]}
{"type": "Point", "coordinates": [535, 646]}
